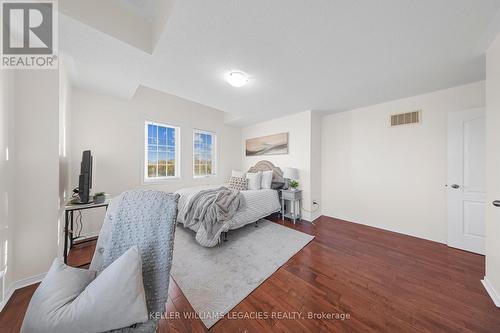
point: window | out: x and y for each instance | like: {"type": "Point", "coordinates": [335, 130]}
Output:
{"type": "Point", "coordinates": [204, 156]}
{"type": "Point", "coordinates": [162, 152]}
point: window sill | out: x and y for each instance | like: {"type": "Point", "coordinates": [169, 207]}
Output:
{"type": "Point", "coordinates": [204, 177]}
{"type": "Point", "coordinates": [152, 181]}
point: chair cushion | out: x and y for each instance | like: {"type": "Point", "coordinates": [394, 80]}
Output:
{"type": "Point", "coordinates": [68, 300]}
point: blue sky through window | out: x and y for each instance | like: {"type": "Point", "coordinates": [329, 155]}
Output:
{"type": "Point", "coordinates": [161, 151]}
{"type": "Point", "coordinates": [203, 154]}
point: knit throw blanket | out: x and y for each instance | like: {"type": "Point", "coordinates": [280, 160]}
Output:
{"type": "Point", "coordinates": [147, 219]}
{"type": "Point", "coordinates": [210, 208]}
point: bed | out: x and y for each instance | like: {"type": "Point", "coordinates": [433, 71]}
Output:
{"type": "Point", "coordinates": [257, 205]}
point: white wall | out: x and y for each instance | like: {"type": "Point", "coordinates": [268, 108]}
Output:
{"type": "Point", "coordinates": [493, 166]}
{"type": "Point", "coordinates": [29, 177]}
{"type": "Point", "coordinates": [299, 127]}
{"type": "Point", "coordinates": [7, 191]}
{"type": "Point", "coordinates": [316, 165]}
{"type": "Point", "coordinates": [113, 129]}
{"type": "Point", "coordinates": [65, 181]}
{"type": "Point", "coordinates": [392, 178]}
{"type": "Point", "coordinates": [36, 159]}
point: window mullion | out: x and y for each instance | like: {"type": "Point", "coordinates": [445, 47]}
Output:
{"type": "Point", "coordinates": [157, 152]}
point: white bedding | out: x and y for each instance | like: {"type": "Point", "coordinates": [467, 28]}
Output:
{"type": "Point", "coordinates": [258, 204]}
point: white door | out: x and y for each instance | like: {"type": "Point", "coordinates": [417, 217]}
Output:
{"type": "Point", "coordinates": [466, 180]}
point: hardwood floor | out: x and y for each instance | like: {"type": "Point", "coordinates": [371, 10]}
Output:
{"type": "Point", "coordinates": [384, 281]}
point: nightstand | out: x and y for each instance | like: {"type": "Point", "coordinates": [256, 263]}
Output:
{"type": "Point", "coordinates": [293, 197]}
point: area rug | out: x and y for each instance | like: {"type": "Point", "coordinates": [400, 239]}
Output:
{"type": "Point", "coordinates": [215, 280]}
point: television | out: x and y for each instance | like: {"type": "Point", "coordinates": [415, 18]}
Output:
{"type": "Point", "coordinates": [85, 180]}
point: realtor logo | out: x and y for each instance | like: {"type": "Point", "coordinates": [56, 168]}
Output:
{"type": "Point", "coordinates": [29, 34]}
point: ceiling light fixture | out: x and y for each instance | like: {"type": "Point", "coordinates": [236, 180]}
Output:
{"type": "Point", "coordinates": [237, 78]}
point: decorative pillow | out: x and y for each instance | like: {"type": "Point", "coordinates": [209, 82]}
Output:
{"type": "Point", "coordinates": [68, 300]}
{"type": "Point", "coordinates": [237, 173]}
{"type": "Point", "coordinates": [267, 179]}
{"type": "Point", "coordinates": [254, 180]}
{"type": "Point", "coordinates": [61, 285]}
{"type": "Point", "coordinates": [238, 183]}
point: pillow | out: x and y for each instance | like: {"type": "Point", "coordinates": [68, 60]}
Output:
{"type": "Point", "coordinates": [254, 180]}
{"type": "Point", "coordinates": [239, 174]}
{"type": "Point", "coordinates": [267, 179]}
{"type": "Point", "coordinates": [61, 285]}
{"type": "Point", "coordinates": [68, 300]}
{"type": "Point", "coordinates": [238, 183]}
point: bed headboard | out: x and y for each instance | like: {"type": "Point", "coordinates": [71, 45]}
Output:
{"type": "Point", "coordinates": [268, 166]}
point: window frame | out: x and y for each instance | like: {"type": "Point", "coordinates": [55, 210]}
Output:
{"type": "Point", "coordinates": [177, 153]}
{"type": "Point", "coordinates": [214, 153]}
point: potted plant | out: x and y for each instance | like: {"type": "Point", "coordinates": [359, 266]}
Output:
{"type": "Point", "coordinates": [99, 197]}
{"type": "Point", "coordinates": [293, 184]}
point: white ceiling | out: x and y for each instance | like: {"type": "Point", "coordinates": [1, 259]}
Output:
{"type": "Point", "coordinates": [327, 55]}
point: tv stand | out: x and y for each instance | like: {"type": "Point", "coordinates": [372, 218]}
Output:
{"type": "Point", "coordinates": [78, 202]}
{"type": "Point", "coordinates": [69, 209]}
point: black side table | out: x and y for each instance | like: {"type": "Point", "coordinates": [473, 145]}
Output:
{"type": "Point", "coordinates": [68, 224]}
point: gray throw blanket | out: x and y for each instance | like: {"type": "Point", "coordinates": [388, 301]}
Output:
{"type": "Point", "coordinates": [145, 218]}
{"type": "Point", "coordinates": [211, 208]}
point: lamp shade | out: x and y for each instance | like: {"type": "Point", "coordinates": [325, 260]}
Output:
{"type": "Point", "coordinates": [291, 173]}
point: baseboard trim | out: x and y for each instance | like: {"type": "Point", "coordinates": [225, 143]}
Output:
{"type": "Point", "coordinates": [401, 232]}
{"type": "Point", "coordinates": [491, 291]}
{"type": "Point", "coordinates": [316, 219]}
{"type": "Point", "coordinates": [302, 219]}
{"type": "Point", "coordinates": [20, 284]}
{"type": "Point", "coordinates": [8, 295]}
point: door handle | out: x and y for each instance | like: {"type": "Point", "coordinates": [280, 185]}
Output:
{"type": "Point", "coordinates": [496, 203]}
{"type": "Point", "coordinates": [455, 186]}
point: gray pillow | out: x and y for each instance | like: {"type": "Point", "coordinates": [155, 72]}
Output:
{"type": "Point", "coordinates": [61, 285]}
{"type": "Point", "coordinates": [68, 300]}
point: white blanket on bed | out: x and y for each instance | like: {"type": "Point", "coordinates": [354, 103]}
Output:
{"type": "Point", "coordinates": [258, 204]}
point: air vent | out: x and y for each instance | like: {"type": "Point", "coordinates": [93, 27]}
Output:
{"type": "Point", "coordinates": [405, 118]}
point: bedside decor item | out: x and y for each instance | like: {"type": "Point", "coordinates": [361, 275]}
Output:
{"type": "Point", "coordinates": [99, 197]}
{"type": "Point", "coordinates": [293, 184]}
{"type": "Point", "coordinates": [276, 144]}
{"type": "Point", "coordinates": [290, 174]}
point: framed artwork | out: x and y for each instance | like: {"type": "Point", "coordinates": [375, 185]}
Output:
{"type": "Point", "coordinates": [276, 144]}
